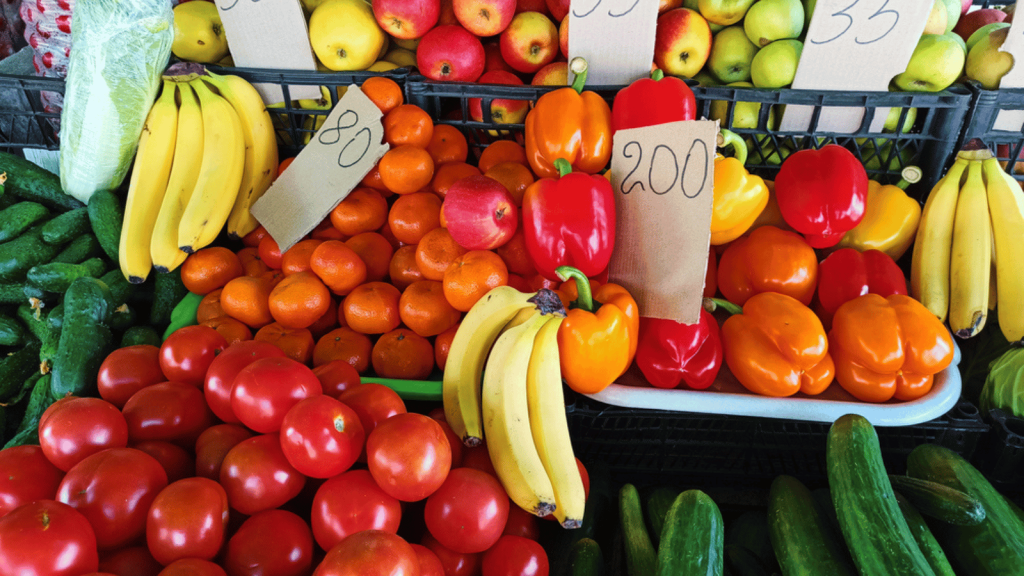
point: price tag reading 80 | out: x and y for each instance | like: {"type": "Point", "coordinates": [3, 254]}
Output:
{"type": "Point", "coordinates": [355, 143]}
{"type": "Point", "coordinates": [664, 172]}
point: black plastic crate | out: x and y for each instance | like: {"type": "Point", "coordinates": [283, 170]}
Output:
{"type": "Point", "coordinates": [981, 124]}
{"type": "Point", "coordinates": [23, 121]}
{"type": "Point", "coordinates": [1000, 455]}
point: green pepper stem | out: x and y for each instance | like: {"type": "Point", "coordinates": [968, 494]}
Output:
{"type": "Point", "coordinates": [657, 74]}
{"type": "Point", "coordinates": [563, 167]}
{"type": "Point", "coordinates": [585, 298]}
{"type": "Point", "coordinates": [727, 138]}
{"type": "Point", "coordinates": [578, 66]}
{"type": "Point", "coordinates": [712, 304]}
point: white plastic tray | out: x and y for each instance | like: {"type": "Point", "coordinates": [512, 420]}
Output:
{"type": "Point", "coordinates": [728, 396]}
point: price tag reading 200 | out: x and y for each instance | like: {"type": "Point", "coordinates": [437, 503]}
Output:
{"type": "Point", "coordinates": [690, 177]}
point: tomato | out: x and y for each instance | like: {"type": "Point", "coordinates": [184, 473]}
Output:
{"type": "Point", "coordinates": [265, 390]}
{"type": "Point", "coordinates": [321, 437]}
{"type": "Point", "coordinates": [176, 461]}
{"type": "Point", "coordinates": [188, 519]}
{"type": "Point", "coordinates": [192, 567]}
{"type": "Point", "coordinates": [521, 523]}
{"type": "Point", "coordinates": [479, 459]}
{"type": "Point", "coordinates": [336, 376]}
{"type": "Point", "coordinates": [47, 538]}
{"type": "Point", "coordinates": [374, 403]}
{"type": "Point", "coordinates": [430, 565]}
{"type": "Point", "coordinates": [258, 477]}
{"type": "Point", "coordinates": [370, 553]}
{"type": "Point", "coordinates": [113, 490]}
{"type": "Point", "coordinates": [278, 542]}
{"type": "Point", "coordinates": [73, 428]}
{"type": "Point", "coordinates": [409, 457]}
{"type": "Point", "coordinates": [188, 352]}
{"type": "Point", "coordinates": [468, 512]}
{"type": "Point", "coordinates": [220, 376]}
{"type": "Point", "coordinates": [453, 442]}
{"type": "Point", "coordinates": [454, 564]}
{"type": "Point", "coordinates": [516, 556]}
{"type": "Point", "coordinates": [125, 371]}
{"type": "Point", "coordinates": [169, 411]}
{"type": "Point", "coordinates": [350, 503]}
{"type": "Point", "coordinates": [213, 444]}
{"type": "Point", "coordinates": [131, 561]}
{"type": "Point", "coordinates": [27, 476]}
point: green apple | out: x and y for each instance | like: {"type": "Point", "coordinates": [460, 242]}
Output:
{"type": "Point", "coordinates": [936, 63]}
{"type": "Point", "coordinates": [983, 32]}
{"type": "Point", "coordinates": [894, 118]}
{"type": "Point", "coordinates": [716, 28]}
{"type": "Point", "coordinates": [706, 78]}
{"type": "Point", "coordinates": [692, 4]}
{"type": "Point", "coordinates": [953, 9]}
{"type": "Point", "coordinates": [937, 18]}
{"type": "Point", "coordinates": [744, 114]}
{"type": "Point", "coordinates": [876, 156]}
{"type": "Point", "coordinates": [766, 151]}
{"type": "Point", "coordinates": [731, 54]}
{"type": "Point", "coordinates": [774, 66]}
{"type": "Point", "coordinates": [808, 12]}
{"type": "Point", "coordinates": [771, 20]}
{"type": "Point", "coordinates": [986, 64]}
{"type": "Point", "coordinates": [724, 12]}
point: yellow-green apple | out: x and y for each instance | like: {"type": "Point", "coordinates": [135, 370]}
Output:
{"type": "Point", "coordinates": [692, 4]}
{"type": "Point", "coordinates": [986, 64]}
{"type": "Point", "coordinates": [530, 42]}
{"type": "Point", "coordinates": [970, 23]}
{"type": "Point", "coordinates": [532, 6]}
{"type": "Point", "coordinates": [937, 61]}
{"type": "Point", "coordinates": [406, 19]}
{"type": "Point", "coordinates": [731, 55]}
{"type": "Point", "coordinates": [952, 14]}
{"type": "Point", "coordinates": [447, 16]}
{"type": "Point", "coordinates": [401, 57]}
{"type": "Point", "coordinates": [774, 66]}
{"type": "Point", "coordinates": [493, 59]}
{"type": "Point", "coordinates": [345, 35]}
{"type": "Point", "coordinates": [484, 17]}
{"type": "Point", "coordinates": [199, 33]}
{"type": "Point", "coordinates": [503, 110]}
{"type": "Point", "coordinates": [744, 114]}
{"type": "Point", "coordinates": [554, 74]}
{"type": "Point", "coordinates": [724, 12]}
{"type": "Point", "coordinates": [559, 9]}
{"type": "Point", "coordinates": [563, 38]}
{"type": "Point", "coordinates": [682, 43]}
{"type": "Point", "coordinates": [983, 32]}
{"type": "Point", "coordinates": [706, 78]}
{"type": "Point", "coordinates": [480, 213]}
{"type": "Point", "coordinates": [450, 53]}
{"type": "Point", "coordinates": [666, 5]}
{"type": "Point", "coordinates": [937, 18]}
{"type": "Point", "coordinates": [771, 20]}
{"type": "Point", "coordinates": [407, 43]}
{"type": "Point", "coordinates": [809, 11]}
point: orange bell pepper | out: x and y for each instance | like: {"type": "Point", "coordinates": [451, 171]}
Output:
{"type": "Point", "coordinates": [888, 347]}
{"type": "Point", "coordinates": [769, 260]}
{"type": "Point", "coordinates": [571, 124]}
{"type": "Point", "coordinates": [597, 344]}
{"type": "Point", "coordinates": [776, 346]}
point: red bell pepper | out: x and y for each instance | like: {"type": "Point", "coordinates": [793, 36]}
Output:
{"type": "Point", "coordinates": [847, 274]}
{"type": "Point", "coordinates": [822, 193]}
{"type": "Point", "coordinates": [670, 353]}
{"type": "Point", "coordinates": [569, 221]}
{"type": "Point", "coordinates": [651, 101]}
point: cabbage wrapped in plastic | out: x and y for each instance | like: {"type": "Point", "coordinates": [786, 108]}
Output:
{"type": "Point", "coordinates": [1004, 387]}
{"type": "Point", "coordinates": [119, 49]}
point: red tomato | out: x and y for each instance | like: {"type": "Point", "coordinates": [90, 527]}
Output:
{"type": "Point", "coordinates": [188, 352]}
{"type": "Point", "coordinates": [265, 390]}
{"type": "Point", "coordinates": [113, 490]}
{"type": "Point", "coordinates": [370, 553]}
{"type": "Point", "coordinates": [169, 411]}
{"type": "Point", "coordinates": [278, 542]}
{"type": "Point", "coordinates": [47, 538]}
{"type": "Point", "coordinates": [455, 564]}
{"type": "Point", "coordinates": [479, 459]}
{"type": "Point", "coordinates": [468, 512]}
{"type": "Point", "coordinates": [192, 567]}
{"type": "Point", "coordinates": [188, 519]}
{"type": "Point", "coordinates": [73, 428]}
{"type": "Point", "coordinates": [521, 523]}
{"type": "Point", "coordinates": [258, 477]}
{"type": "Point", "coordinates": [213, 444]}
{"type": "Point", "coordinates": [131, 561]}
{"type": "Point", "coordinates": [438, 414]}
{"type": "Point", "coordinates": [336, 376]}
{"type": "Point", "coordinates": [350, 503]}
{"type": "Point", "coordinates": [128, 370]}
{"type": "Point", "coordinates": [515, 556]}
{"type": "Point", "coordinates": [430, 565]}
{"type": "Point", "coordinates": [374, 403]}
{"type": "Point", "coordinates": [176, 461]}
{"type": "Point", "coordinates": [409, 456]}
{"type": "Point", "coordinates": [27, 476]}
{"type": "Point", "coordinates": [321, 437]}
{"type": "Point", "coordinates": [220, 376]}
{"type": "Point", "coordinates": [453, 442]}
{"type": "Point", "coordinates": [586, 486]}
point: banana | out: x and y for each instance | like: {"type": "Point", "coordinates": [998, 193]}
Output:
{"type": "Point", "coordinates": [1008, 230]}
{"type": "Point", "coordinates": [929, 272]}
{"type": "Point", "coordinates": [971, 257]}
{"type": "Point", "coordinates": [506, 417]}
{"type": "Point", "coordinates": [220, 174]}
{"type": "Point", "coordinates": [462, 374]}
{"type": "Point", "coordinates": [148, 184]}
{"type": "Point", "coordinates": [188, 157]}
{"type": "Point", "coordinates": [550, 427]}
{"type": "Point", "coordinates": [260, 149]}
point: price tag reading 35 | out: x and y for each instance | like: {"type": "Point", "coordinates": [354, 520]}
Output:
{"type": "Point", "coordinates": [616, 37]}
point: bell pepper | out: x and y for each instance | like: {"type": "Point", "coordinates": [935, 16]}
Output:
{"type": "Point", "coordinates": [771, 215]}
{"type": "Point", "coordinates": [822, 193]}
{"type": "Point", "coordinates": [847, 274]}
{"type": "Point", "coordinates": [888, 347]}
{"type": "Point", "coordinates": [571, 124]}
{"type": "Point", "coordinates": [776, 346]}
{"type": "Point", "coordinates": [670, 353]}
{"type": "Point", "coordinates": [652, 101]}
{"type": "Point", "coordinates": [740, 197]}
{"type": "Point", "coordinates": [596, 344]}
{"type": "Point", "coordinates": [569, 221]}
{"type": "Point", "coordinates": [890, 221]}
{"type": "Point", "coordinates": [768, 260]}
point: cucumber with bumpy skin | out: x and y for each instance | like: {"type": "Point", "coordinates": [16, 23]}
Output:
{"type": "Point", "coordinates": [11, 331]}
{"type": "Point", "coordinates": [79, 250]}
{"type": "Point", "coordinates": [38, 402]}
{"type": "Point", "coordinates": [19, 255]}
{"type": "Point", "coordinates": [106, 214]}
{"type": "Point", "coordinates": [20, 217]}
{"type": "Point", "coordinates": [85, 338]}
{"type": "Point", "coordinates": [693, 540]}
{"type": "Point", "coordinates": [140, 335]}
{"type": "Point", "coordinates": [67, 226]}
{"type": "Point", "coordinates": [31, 182]}
{"type": "Point", "coordinates": [58, 276]}
{"type": "Point", "coordinates": [16, 367]}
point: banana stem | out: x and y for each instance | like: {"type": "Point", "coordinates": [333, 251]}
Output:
{"type": "Point", "coordinates": [712, 304]}
{"type": "Point", "coordinates": [585, 298]}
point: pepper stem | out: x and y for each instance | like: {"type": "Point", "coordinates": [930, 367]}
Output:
{"type": "Point", "coordinates": [712, 304]}
{"type": "Point", "coordinates": [657, 74]}
{"type": "Point", "coordinates": [727, 138]}
{"type": "Point", "coordinates": [563, 167]}
{"type": "Point", "coordinates": [584, 299]}
{"type": "Point", "coordinates": [578, 66]}
{"type": "Point", "coordinates": [911, 175]}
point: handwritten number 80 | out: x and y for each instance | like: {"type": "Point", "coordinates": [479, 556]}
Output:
{"type": "Point", "coordinates": [698, 154]}
{"type": "Point", "coordinates": [332, 136]}
{"type": "Point", "coordinates": [881, 12]}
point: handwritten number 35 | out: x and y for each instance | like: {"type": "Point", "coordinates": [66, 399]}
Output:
{"type": "Point", "coordinates": [332, 136]}
{"type": "Point", "coordinates": [880, 13]}
{"type": "Point", "coordinates": [586, 13]}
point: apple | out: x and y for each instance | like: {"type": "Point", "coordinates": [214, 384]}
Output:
{"type": "Point", "coordinates": [731, 55]}
{"type": "Point", "coordinates": [554, 74]}
{"type": "Point", "coordinates": [937, 18]}
{"type": "Point", "coordinates": [666, 5]}
{"type": "Point", "coordinates": [480, 213]}
{"type": "Point", "coordinates": [484, 17]}
{"type": "Point", "coordinates": [771, 20]}
{"type": "Point", "coordinates": [1003, 151]}
{"type": "Point", "coordinates": [409, 44]}
{"type": "Point", "coordinates": [450, 53]}
{"type": "Point", "coordinates": [345, 35]}
{"type": "Point", "coordinates": [965, 6]}
{"type": "Point", "coordinates": [682, 43]}
{"type": "Point", "coordinates": [970, 23]}
{"type": "Point", "coordinates": [774, 66]}
{"type": "Point", "coordinates": [530, 42]}
{"type": "Point", "coordinates": [724, 12]}
{"type": "Point", "coordinates": [706, 78]}
{"type": "Point", "coordinates": [199, 33]}
{"type": "Point", "coordinates": [532, 6]}
{"type": "Point", "coordinates": [447, 15]}
{"type": "Point", "coordinates": [503, 111]}
{"type": "Point", "coordinates": [406, 19]}
{"type": "Point", "coordinates": [493, 59]}
{"type": "Point", "coordinates": [983, 32]}
{"type": "Point", "coordinates": [559, 9]}
{"type": "Point", "coordinates": [936, 63]}
{"type": "Point", "coordinates": [744, 114]}
{"type": "Point", "coordinates": [563, 38]}
{"type": "Point", "coordinates": [953, 8]}
{"type": "Point", "coordinates": [401, 57]}
{"type": "Point", "coordinates": [986, 64]}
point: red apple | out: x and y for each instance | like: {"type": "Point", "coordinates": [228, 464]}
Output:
{"type": "Point", "coordinates": [493, 59]}
{"type": "Point", "coordinates": [559, 9]}
{"type": "Point", "coordinates": [563, 38]}
{"type": "Point", "coordinates": [554, 74]}
{"type": "Point", "coordinates": [406, 19]}
{"type": "Point", "coordinates": [450, 53]}
{"type": "Point", "coordinates": [965, 5]}
{"type": "Point", "coordinates": [532, 6]}
{"type": "Point", "coordinates": [1003, 151]}
{"type": "Point", "coordinates": [969, 23]}
{"type": "Point", "coordinates": [530, 42]}
{"type": "Point", "coordinates": [682, 43]}
{"type": "Point", "coordinates": [666, 5]}
{"type": "Point", "coordinates": [447, 16]}
{"type": "Point", "coordinates": [503, 111]}
{"type": "Point", "coordinates": [480, 213]}
{"type": "Point", "coordinates": [484, 17]}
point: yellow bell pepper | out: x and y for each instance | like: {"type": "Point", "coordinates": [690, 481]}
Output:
{"type": "Point", "coordinates": [771, 215]}
{"type": "Point", "coordinates": [890, 221]}
{"type": "Point", "coordinates": [740, 197]}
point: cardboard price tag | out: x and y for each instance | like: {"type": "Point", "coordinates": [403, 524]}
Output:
{"type": "Point", "coordinates": [616, 37]}
{"type": "Point", "coordinates": [663, 178]}
{"type": "Point", "coordinates": [338, 156]}
{"type": "Point", "coordinates": [251, 26]}
{"type": "Point", "coordinates": [1013, 120]}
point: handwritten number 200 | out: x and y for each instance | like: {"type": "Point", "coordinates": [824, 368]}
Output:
{"type": "Point", "coordinates": [698, 153]}
{"type": "Point", "coordinates": [849, 24]}
{"type": "Point", "coordinates": [332, 136]}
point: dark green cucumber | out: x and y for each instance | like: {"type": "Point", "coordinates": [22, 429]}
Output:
{"type": "Point", "coordinates": [596, 524]}
{"type": "Point", "coordinates": [925, 539]}
{"type": "Point", "coordinates": [16, 367]}
{"type": "Point", "coordinates": [106, 213]}
{"type": "Point", "coordinates": [57, 277]}
{"type": "Point", "coordinates": [996, 546]}
{"type": "Point", "coordinates": [742, 562]}
{"type": "Point", "coordinates": [658, 503]}
{"type": "Point", "coordinates": [38, 402]}
{"type": "Point", "coordinates": [750, 530]}
{"type": "Point", "coordinates": [67, 226]}
{"type": "Point", "coordinates": [33, 293]}
{"type": "Point", "coordinates": [122, 318]}
{"type": "Point", "coordinates": [585, 558]}
{"type": "Point", "coordinates": [802, 540]}
{"type": "Point", "coordinates": [641, 559]}
{"type": "Point", "coordinates": [26, 389]}
{"type": "Point", "coordinates": [43, 330]}
{"type": "Point", "coordinates": [168, 290]}
{"type": "Point", "coordinates": [19, 255]}
{"type": "Point", "coordinates": [12, 333]}
{"type": "Point", "coordinates": [1016, 509]}
{"type": "Point", "coordinates": [693, 539]}
{"type": "Point", "coordinates": [51, 338]}
{"type": "Point", "coordinates": [30, 182]}
{"type": "Point", "coordinates": [940, 502]}
{"type": "Point", "coordinates": [79, 250]}
{"type": "Point", "coordinates": [12, 293]}
{"type": "Point", "coordinates": [85, 338]}
{"type": "Point", "coordinates": [140, 335]}
{"type": "Point", "coordinates": [120, 289]}
{"type": "Point", "coordinates": [184, 313]}
{"type": "Point", "coordinates": [20, 217]}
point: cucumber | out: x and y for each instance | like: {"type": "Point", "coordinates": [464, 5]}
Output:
{"type": "Point", "coordinates": [26, 389]}
{"type": "Point", "coordinates": [596, 524]}
{"type": "Point", "coordinates": [33, 293]}
{"type": "Point", "coordinates": [79, 250]}
{"type": "Point", "coordinates": [38, 402]}
{"type": "Point", "coordinates": [11, 331]}
{"type": "Point", "coordinates": [51, 338]}
{"type": "Point", "coordinates": [16, 367]}
{"type": "Point", "coordinates": [140, 335]}
{"type": "Point", "coordinates": [57, 277]}
{"type": "Point", "coordinates": [120, 289]}
{"type": "Point", "coordinates": [122, 318]}
{"type": "Point", "coordinates": [641, 559]}
{"type": "Point", "coordinates": [67, 226]}
{"type": "Point", "coordinates": [85, 338]}
{"type": "Point", "coordinates": [19, 255]}
{"type": "Point", "coordinates": [742, 562]}
{"type": "Point", "coordinates": [44, 331]}
{"type": "Point", "coordinates": [106, 215]}
{"type": "Point", "coordinates": [802, 540]}
{"type": "Point", "coordinates": [168, 290]}
{"type": "Point", "coordinates": [1016, 509]}
{"type": "Point", "coordinates": [693, 538]}
{"type": "Point", "coordinates": [750, 530]}
{"type": "Point", "coordinates": [184, 314]}
{"type": "Point", "coordinates": [940, 502]}
{"type": "Point", "coordinates": [996, 546]}
{"type": "Point", "coordinates": [925, 539]}
{"type": "Point", "coordinates": [12, 293]}
{"type": "Point", "coordinates": [20, 217]}
{"type": "Point", "coordinates": [30, 182]}
{"type": "Point", "coordinates": [658, 503]}
{"type": "Point", "coordinates": [586, 559]}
